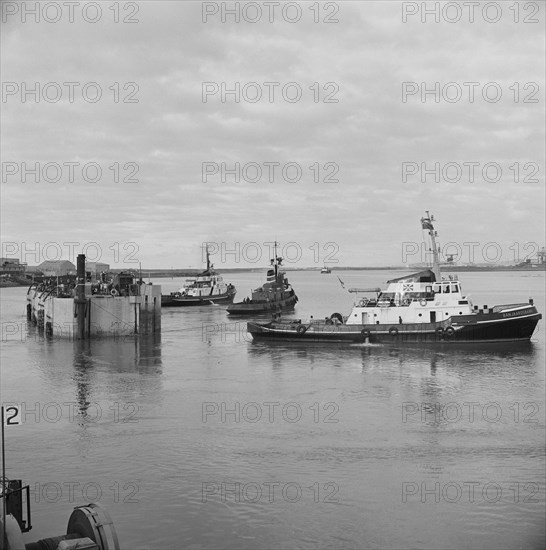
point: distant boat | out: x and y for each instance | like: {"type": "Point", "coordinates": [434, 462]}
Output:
{"type": "Point", "coordinates": [423, 307]}
{"type": "Point", "coordinates": [325, 270]}
{"type": "Point", "coordinates": [274, 296]}
{"type": "Point", "coordinates": [208, 288]}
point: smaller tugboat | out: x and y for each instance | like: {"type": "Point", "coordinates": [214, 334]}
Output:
{"type": "Point", "coordinates": [208, 288]}
{"type": "Point", "coordinates": [274, 296]}
{"type": "Point", "coordinates": [420, 308]}
{"type": "Point", "coordinates": [325, 270]}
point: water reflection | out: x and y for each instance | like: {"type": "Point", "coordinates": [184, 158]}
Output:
{"type": "Point", "coordinates": [424, 373]}
{"type": "Point", "coordinates": [115, 379]}
{"type": "Point", "coordinates": [102, 369]}
{"type": "Point", "coordinates": [83, 366]}
{"type": "Point", "coordinates": [131, 354]}
{"type": "Point", "coordinates": [455, 356]}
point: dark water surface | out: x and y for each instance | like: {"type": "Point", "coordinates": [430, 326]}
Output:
{"type": "Point", "coordinates": [200, 438]}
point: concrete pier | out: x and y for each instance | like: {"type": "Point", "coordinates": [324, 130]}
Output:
{"type": "Point", "coordinates": [85, 310]}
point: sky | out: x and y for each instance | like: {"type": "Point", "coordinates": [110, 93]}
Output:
{"type": "Point", "coordinates": [336, 112]}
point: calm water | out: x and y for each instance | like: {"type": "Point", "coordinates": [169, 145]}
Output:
{"type": "Point", "coordinates": [352, 448]}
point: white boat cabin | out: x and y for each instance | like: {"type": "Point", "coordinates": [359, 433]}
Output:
{"type": "Point", "coordinates": [417, 298]}
{"type": "Point", "coordinates": [205, 284]}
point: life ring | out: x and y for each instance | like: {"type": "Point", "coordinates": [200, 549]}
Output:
{"type": "Point", "coordinates": [393, 331]}
{"type": "Point", "coordinates": [440, 332]}
{"type": "Point", "coordinates": [301, 329]}
{"type": "Point", "coordinates": [405, 302]}
{"type": "Point", "coordinates": [449, 331]}
{"type": "Point", "coordinates": [114, 292]}
{"type": "Point", "coordinates": [423, 302]}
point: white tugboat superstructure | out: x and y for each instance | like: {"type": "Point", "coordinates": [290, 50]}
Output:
{"type": "Point", "coordinates": [424, 297]}
{"type": "Point", "coordinates": [208, 288]}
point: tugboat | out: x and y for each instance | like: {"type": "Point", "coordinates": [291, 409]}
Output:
{"type": "Point", "coordinates": [208, 288]}
{"type": "Point", "coordinates": [420, 308]}
{"type": "Point", "coordinates": [325, 270]}
{"type": "Point", "coordinates": [274, 296]}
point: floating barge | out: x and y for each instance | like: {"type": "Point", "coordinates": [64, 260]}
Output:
{"type": "Point", "coordinates": [122, 306]}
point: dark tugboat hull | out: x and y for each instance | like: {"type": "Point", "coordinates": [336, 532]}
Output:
{"type": "Point", "coordinates": [483, 328]}
{"type": "Point", "coordinates": [251, 307]}
{"type": "Point", "coordinates": [169, 300]}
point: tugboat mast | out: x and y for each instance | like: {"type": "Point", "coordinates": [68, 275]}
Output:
{"type": "Point", "coordinates": [426, 223]}
{"type": "Point", "coordinates": [207, 253]}
{"type": "Point", "coordinates": [275, 259]}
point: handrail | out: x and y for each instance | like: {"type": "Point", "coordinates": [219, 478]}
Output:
{"type": "Point", "coordinates": [364, 290]}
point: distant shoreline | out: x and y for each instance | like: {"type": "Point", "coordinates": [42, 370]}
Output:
{"type": "Point", "coordinates": [175, 273]}
{"type": "Point", "coordinates": [164, 273]}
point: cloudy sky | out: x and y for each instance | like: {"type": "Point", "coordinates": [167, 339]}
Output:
{"type": "Point", "coordinates": [360, 142]}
